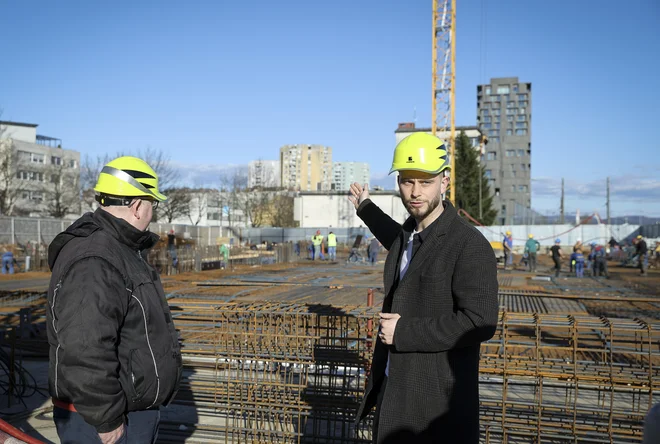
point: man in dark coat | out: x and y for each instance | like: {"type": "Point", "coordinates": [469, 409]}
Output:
{"type": "Point", "coordinates": [440, 282]}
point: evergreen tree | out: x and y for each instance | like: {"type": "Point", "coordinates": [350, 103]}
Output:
{"type": "Point", "coordinates": [468, 174]}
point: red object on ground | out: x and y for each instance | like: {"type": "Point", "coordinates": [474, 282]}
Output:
{"type": "Point", "coordinates": [8, 431]}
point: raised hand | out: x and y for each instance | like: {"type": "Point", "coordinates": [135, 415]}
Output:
{"type": "Point", "coordinates": [358, 194]}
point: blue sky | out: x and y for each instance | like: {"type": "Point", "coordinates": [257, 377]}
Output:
{"type": "Point", "coordinates": [217, 83]}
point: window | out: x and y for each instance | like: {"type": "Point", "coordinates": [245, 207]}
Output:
{"type": "Point", "coordinates": [54, 178]}
{"type": "Point", "coordinates": [509, 132]}
{"type": "Point", "coordinates": [497, 126]}
{"type": "Point", "coordinates": [497, 119]}
{"type": "Point", "coordinates": [503, 210]}
{"type": "Point", "coordinates": [515, 88]}
{"type": "Point", "coordinates": [522, 188]}
{"type": "Point", "coordinates": [487, 119]}
{"type": "Point", "coordinates": [510, 112]}
{"type": "Point", "coordinates": [521, 132]}
{"type": "Point", "coordinates": [510, 153]}
{"type": "Point", "coordinates": [513, 173]}
{"type": "Point", "coordinates": [496, 112]}
{"type": "Point", "coordinates": [509, 118]}
{"type": "Point", "coordinates": [491, 155]}
{"type": "Point", "coordinates": [521, 125]}
{"type": "Point", "coordinates": [493, 133]}
{"type": "Point", "coordinates": [37, 196]}
{"type": "Point", "coordinates": [522, 104]}
{"type": "Point", "coordinates": [494, 98]}
{"type": "Point", "coordinates": [521, 110]}
{"type": "Point", "coordinates": [488, 90]}
{"type": "Point", "coordinates": [503, 89]}
{"type": "Point", "coordinates": [513, 188]}
{"type": "Point", "coordinates": [523, 166]}
{"type": "Point", "coordinates": [522, 96]}
{"type": "Point", "coordinates": [55, 160]}
{"type": "Point", "coordinates": [486, 125]}
{"type": "Point", "coordinates": [485, 112]}
{"type": "Point", "coordinates": [496, 104]}
{"type": "Point", "coordinates": [72, 163]}
{"type": "Point", "coordinates": [521, 153]}
{"type": "Point", "coordinates": [510, 104]}
{"type": "Point", "coordinates": [521, 118]}
{"type": "Point", "coordinates": [30, 175]}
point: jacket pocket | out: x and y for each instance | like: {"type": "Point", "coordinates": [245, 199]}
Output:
{"type": "Point", "coordinates": [136, 375]}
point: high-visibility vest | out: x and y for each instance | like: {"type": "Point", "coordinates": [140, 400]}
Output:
{"type": "Point", "coordinates": [332, 240]}
{"type": "Point", "coordinates": [317, 240]}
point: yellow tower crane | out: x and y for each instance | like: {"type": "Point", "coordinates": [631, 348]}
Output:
{"type": "Point", "coordinates": [444, 78]}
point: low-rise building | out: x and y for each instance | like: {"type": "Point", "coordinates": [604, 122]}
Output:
{"type": "Point", "coordinates": [37, 176]}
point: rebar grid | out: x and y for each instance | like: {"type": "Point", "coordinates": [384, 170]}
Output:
{"type": "Point", "coordinates": [278, 372]}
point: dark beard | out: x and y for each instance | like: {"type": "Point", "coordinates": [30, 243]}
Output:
{"type": "Point", "coordinates": [413, 211]}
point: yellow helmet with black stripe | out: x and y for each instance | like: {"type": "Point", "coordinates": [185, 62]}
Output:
{"type": "Point", "coordinates": [128, 176]}
{"type": "Point", "coordinates": [421, 152]}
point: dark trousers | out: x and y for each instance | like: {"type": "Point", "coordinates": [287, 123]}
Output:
{"type": "Point", "coordinates": [141, 428]}
{"type": "Point", "coordinates": [532, 262]}
{"type": "Point", "coordinates": [557, 266]}
{"type": "Point", "coordinates": [379, 402]}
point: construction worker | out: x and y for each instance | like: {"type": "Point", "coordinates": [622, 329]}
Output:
{"type": "Point", "coordinates": [224, 254]}
{"type": "Point", "coordinates": [555, 250]}
{"type": "Point", "coordinates": [507, 243]}
{"type": "Point", "coordinates": [317, 241]}
{"type": "Point", "coordinates": [332, 246]}
{"type": "Point", "coordinates": [531, 247]}
{"type": "Point", "coordinates": [440, 304]}
{"type": "Point", "coordinates": [114, 352]}
{"type": "Point", "coordinates": [374, 247]}
{"type": "Point", "coordinates": [599, 260]}
{"type": "Point", "coordinates": [652, 426]}
{"type": "Point", "coordinates": [642, 254]}
{"type": "Point", "coordinates": [7, 261]}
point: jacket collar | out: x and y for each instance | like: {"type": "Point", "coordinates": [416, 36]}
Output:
{"type": "Point", "coordinates": [124, 232]}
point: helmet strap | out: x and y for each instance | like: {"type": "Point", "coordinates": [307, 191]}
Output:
{"type": "Point", "coordinates": [107, 201]}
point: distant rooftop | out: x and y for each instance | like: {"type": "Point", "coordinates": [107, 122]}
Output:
{"type": "Point", "coordinates": [8, 123]}
{"type": "Point", "coordinates": [409, 127]}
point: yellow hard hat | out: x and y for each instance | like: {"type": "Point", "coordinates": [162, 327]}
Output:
{"type": "Point", "coordinates": [531, 236]}
{"type": "Point", "coordinates": [639, 236]}
{"type": "Point", "coordinates": [508, 232]}
{"type": "Point", "coordinates": [420, 152]}
{"type": "Point", "coordinates": [128, 176]}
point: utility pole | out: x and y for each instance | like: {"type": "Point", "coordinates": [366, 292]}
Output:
{"type": "Point", "coordinates": [561, 206]}
{"type": "Point", "coordinates": [608, 201]}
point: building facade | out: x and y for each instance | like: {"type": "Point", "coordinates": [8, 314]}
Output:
{"type": "Point", "coordinates": [333, 209]}
{"type": "Point", "coordinates": [38, 177]}
{"type": "Point", "coordinates": [306, 167]}
{"type": "Point", "coordinates": [504, 115]}
{"type": "Point", "coordinates": [264, 174]}
{"type": "Point", "coordinates": [345, 173]}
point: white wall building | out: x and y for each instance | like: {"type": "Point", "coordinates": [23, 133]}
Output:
{"type": "Point", "coordinates": [333, 209]}
{"type": "Point", "coordinates": [264, 174]}
{"type": "Point", "coordinates": [209, 208]}
{"type": "Point", "coordinates": [44, 176]}
{"type": "Point", "coordinates": [345, 173]}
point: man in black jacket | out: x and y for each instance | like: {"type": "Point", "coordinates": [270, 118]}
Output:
{"type": "Point", "coordinates": [440, 303]}
{"type": "Point", "coordinates": [114, 352]}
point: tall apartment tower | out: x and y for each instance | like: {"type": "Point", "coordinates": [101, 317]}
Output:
{"type": "Point", "coordinates": [306, 167]}
{"type": "Point", "coordinates": [504, 116]}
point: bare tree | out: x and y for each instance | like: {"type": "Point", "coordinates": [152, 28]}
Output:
{"type": "Point", "coordinates": [177, 204]}
{"type": "Point", "coordinates": [283, 210]}
{"type": "Point", "coordinates": [235, 192]}
{"type": "Point", "coordinates": [11, 187]}
{"type": "Point", "coordinates": [61, 189]}
{"type": "Point", "coordinates": [197, 204]}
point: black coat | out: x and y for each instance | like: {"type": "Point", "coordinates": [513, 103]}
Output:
{"type": "Point", "coordinates": [113, 346]}
{"type": "Point", "coordinates": [448, 305]}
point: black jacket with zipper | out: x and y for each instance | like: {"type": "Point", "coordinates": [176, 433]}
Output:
{"type": "Point", "coordinates": [113, 346]}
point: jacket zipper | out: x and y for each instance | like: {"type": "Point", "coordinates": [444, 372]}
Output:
{"type": "Point", "coordinates": [153, 358]}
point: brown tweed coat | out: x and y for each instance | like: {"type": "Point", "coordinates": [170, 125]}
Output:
{"type": "Point", "coordinates": [448, 305]}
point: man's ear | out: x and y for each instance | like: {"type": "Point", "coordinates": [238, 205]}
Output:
{"type": "Point", "coordinates": [136, 208]}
